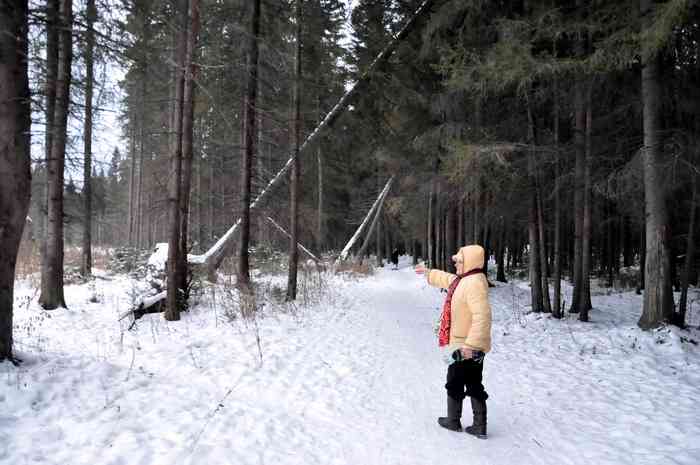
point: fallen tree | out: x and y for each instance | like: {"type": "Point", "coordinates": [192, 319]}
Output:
{"type": "Point", "coordinates": [212, 258]}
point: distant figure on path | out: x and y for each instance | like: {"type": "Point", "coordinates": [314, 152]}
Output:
{"type": "Point", "coordinates": [465, 329]}
{"type": "Point", "coordinates": [395, 258]}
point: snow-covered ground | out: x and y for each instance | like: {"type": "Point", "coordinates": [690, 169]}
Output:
{"type": "Point", "coordinates": [354, 379]}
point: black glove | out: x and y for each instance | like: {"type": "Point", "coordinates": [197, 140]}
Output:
{"type": "Point", "coordinates": [457, 355]}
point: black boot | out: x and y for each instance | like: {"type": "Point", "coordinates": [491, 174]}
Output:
{"type": "Point", "coordinates": [454, 414]}
{"type": "Point", "coordinates": [478, 429]}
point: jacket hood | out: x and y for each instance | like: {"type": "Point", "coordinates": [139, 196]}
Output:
{"type": "Point", "coordinates": [472, 257]}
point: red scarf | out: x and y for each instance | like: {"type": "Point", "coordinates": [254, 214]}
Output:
{"type": "Point", "coordinates": [446, 317]}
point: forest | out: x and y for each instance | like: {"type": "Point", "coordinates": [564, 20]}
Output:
{"type": "Point", "coordinates": [213, 214]}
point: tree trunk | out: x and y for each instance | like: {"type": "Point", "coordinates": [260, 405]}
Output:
{"type": "Point", "coordinates": [86, 265]}
{"type": "Point", "coordinates": [296, 164]}
{"type": "Point", "coordinates": [450, 237]}
{"type": "Point", "coordinates": [380, 236]}
{"type": "Point", "coordinates": [320, 243]}
{"type": "Point", "coordinates": [500, 252]}
{"type": "Point", "coordinates": [556, 272]}
{"type": "Point", "coordinates": [546, 304]}
{"type": "Point", "coordinates": [585, 297]}
{"type": "Point", "coordinates": [15, 174]}
{"type": "Point", "coordinates": [460, 222]}
{"type": "Point", "coordinates": [534, 260]}
{"type": "Point", "coordinates": [131, 217]}
{"type": "Point", "coordinates": [188, 139]}
{"type": "Point", "coordinates": [249, 121]}
{"type": "Point", "coordinates": [535, 265]}
{"type": "Point", "coordinates": [52, 279]}
{"type": "Point", "coordinates": [175, 271]}
{"type": "Point", "coordinates": [689, 257]}
{"type": "Point", "coordinates": [431, 217]}
{"type": "Point", "coordinates": [658, 296]}
{"type": "Point", "coordinates": [579, 188]}
{"type": "Point", "coordinates": [52, 7]}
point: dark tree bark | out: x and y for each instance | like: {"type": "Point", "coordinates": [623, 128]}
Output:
{"type": "Point", "coordinates": [658, 294]}
{"type": "Point", "coordinates": [546, 303]}
{"type": "Point", "coordinates": [380, 235]}
{"type": "Point", "coordinates": [15, 175]}
{"type": "Point", "coordinates": [188, 139]}
{"type": "Point", "coordinates": [534, 259]}
{"type": "Point", "coordinates": [296, 164]}
{"type": "Point", "coordinates": [175, 301]}
{"type": "Point", "coordinates": [450, 237]}
{"type": "Point", "coordinates": [52, 7]}
{"type": "Point", "coordinates": [460, 222]}
{"type": "Point", "coordinates": [431, 217]}
{"type": "Point", "coordinates": [689, 256]}
{"type": "Point", "coordinates": [52, 277]}
{"type": "Point", "coordinates": [579, 188]}
{"type": "Point", "coordinates": [556, 272]}
{"type": "Point", "coordinates": [86, 264]}
{"type": "Point", "coordinates": [585, 297]}
{"type": "Point", "coordinates": [500, 252]}
{"type": "Point", "coordinates": [249, 121]}
{"type": "Point", "coordinates": [535, 265]}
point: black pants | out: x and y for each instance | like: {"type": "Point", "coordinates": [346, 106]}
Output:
{"type": "Point", "coordinates": [464, 379]}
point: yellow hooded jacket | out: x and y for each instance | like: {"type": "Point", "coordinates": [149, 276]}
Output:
{"type": "Point", "coordinates": [471, 313]}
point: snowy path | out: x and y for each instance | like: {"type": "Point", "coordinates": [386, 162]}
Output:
{"type": "Point", "coordinates": [357, 382]}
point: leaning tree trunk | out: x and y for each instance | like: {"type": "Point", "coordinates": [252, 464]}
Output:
{"type": "Point", "coordinates": [86, 264]}
{"type": "Point", "coordinates": [52, 277]}
{"type": "Point", "coordinates": [249, 121]}
{"type": "Point", "coordinates": [15, 175]}
{"type": "Point", "coordinates": [175, 272]}
{"type": "Point", "coordinates": [658, 296]}
{"type": "Point", "coordinates": [296, 165]}
{"type": "Point", "coordinates": [689, 257]}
